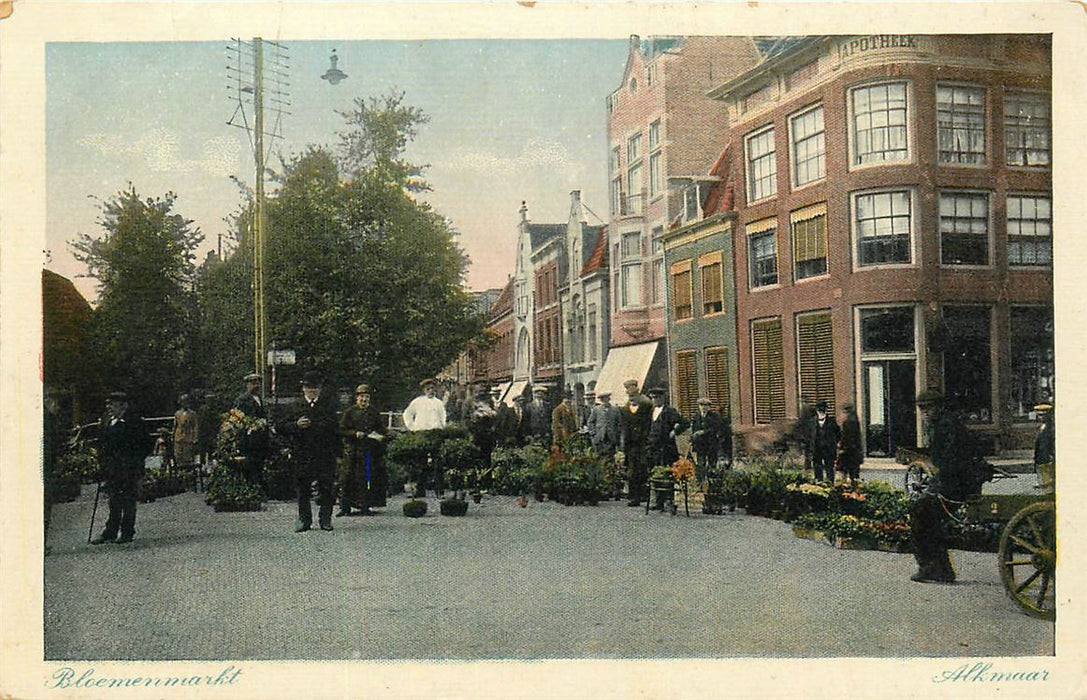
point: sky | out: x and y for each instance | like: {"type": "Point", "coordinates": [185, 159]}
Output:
{"type": "Point", "coordinates": [510, 121]}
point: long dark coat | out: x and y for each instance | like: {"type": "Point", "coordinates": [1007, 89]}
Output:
{"type": "Point", "coordinates": [662, 446]}
{"type": "Point", "coordinates": [363, 489]}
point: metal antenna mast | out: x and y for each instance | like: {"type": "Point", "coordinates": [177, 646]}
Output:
{"type": "Point", "coordinates": [259, 73]}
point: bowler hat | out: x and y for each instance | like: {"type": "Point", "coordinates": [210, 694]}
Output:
{"type": "Point", "coordinates": [821, 406]}
{"type": "Point", "coordinates": [252, 377]}
{"type": "Point", "coordinates": [311, 380]}
{"type": "Point", "coordinates": [658, 391]}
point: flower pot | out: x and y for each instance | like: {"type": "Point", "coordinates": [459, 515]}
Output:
{"type": "Point", "coordinates": [415, 508]}
{"type": "Point", "coordinates": [854, 543]}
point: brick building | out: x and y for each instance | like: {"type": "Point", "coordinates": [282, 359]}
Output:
{"type": "Point", "coordinates": [493, 363]}
{"type": "Point", "coordinates": [661, 126]}
{"type": "Point", "coordinates": [893, 230]}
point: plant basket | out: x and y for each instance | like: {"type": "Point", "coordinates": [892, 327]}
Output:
{"type": "Point", "coordinates": [453, 507]}
{"type": "Point", "coordinates": [415, 508]}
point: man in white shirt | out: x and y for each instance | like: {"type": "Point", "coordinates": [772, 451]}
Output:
{"type": "Point", "coordinates": [425, 413]}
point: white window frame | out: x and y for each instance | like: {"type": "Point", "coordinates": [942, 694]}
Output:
{"type": "Point", "coordinates": [771, 155]}
{"type": "Point", "coordinates": [988, 226]}
{"type": "Point", "coordinates": [985, 140]}
{"type": "Point", "coordinates": [631, 264]}
{"type": "Point", "coordinates": [855, 239]}
{"type": "Point", "coordinates": [851, 127]}
{"type": "Point", "coordinates": [1008, 234]}
{"type": "Point", "coordinates": [1047, 100]}
{"type": "Point", "coordinates": [793, 143]}
{"type": "Point", "coordinates": [770, 233]}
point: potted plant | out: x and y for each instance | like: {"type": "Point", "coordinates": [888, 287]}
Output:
{"type": "Point", "coordinates": [415, 508]}
{"type": "Point", "coordinates": [228, 491]}
{"type": "Point", "coordinates": [662, 487]}
{"type": "Point", "coordinates": [682, 472]}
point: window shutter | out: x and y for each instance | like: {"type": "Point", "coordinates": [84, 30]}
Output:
{"type": "Point", "coordinates": [769, 371]}
{"type": "Point", "coordinates": [815, 351]}
{"type": "Point", "coordinates": [687, 382]}
{"type": "Point", "coordinates": [717, 380]}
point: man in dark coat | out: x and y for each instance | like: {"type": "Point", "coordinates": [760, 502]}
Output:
{"type": "Point", "coordinates": [707, 433]}
{"type": "Point", "coordinates": [505, 423]}
{"type": "Point", "coordinates": [824, 443]}
{"type": "Point", "coordinates": [538, 415]}
{"type": "Point", "coordinates": [311, 423]}
{"type": "Point", "coordinates": [634, 421]}
{"type": "Point", "coordinates": [364, 480]}
{"type": "Point", "coordinates": [480, 417]}
{"type": "Point", "coordinates": [960, 473]}
{"type": "Point", "coordinates": [667, 423]}
{"type": "Point", "coordinates": [851, 453]}
{"type": "Point", "coordinates": [123, 444]}
{"type": "Point", "coordinates": [253, 445]}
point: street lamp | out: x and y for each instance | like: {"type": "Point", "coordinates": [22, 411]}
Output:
{"type": "Point", "coordinates": [333, 75]}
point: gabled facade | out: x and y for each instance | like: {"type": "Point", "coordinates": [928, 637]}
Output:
{"type": "Point", "coordinates": [584, 301]}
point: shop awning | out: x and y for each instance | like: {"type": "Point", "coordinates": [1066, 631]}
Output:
{"type": "Point", "coordinates": [502, 387]}
{"type": "Point", "coordinates": [623, 363]}
{"type": "Point", "coordinates": [516, 389]}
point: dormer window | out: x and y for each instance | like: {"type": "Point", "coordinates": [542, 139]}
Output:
{"type": "Point", "coordinates": [692, 202]}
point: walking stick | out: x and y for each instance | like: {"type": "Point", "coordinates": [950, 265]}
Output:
{"type": "Point", "coordinates": [94, 511]}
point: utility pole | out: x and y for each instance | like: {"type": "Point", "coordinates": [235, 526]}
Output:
{"type": "Point", "coordinates": [243, 56]}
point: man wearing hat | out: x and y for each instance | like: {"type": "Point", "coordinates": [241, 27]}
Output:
{"type": "Point", "coordinates": [667, 424]}
{"type": "Point", "coordinates": [603, 426]}
{"type": "Point", "coordinates": [850, 452]}
{"type": "Point", "coordinates": [505, 421]}
{"type": "Point", "coordinates": [253, 445]}
{"type": "Point", "coordinates": [538, 416]}
{"type": "Point", "coordinates": [824, 443]}
{"type": "Point", "coordinates": [564, 420]}
{"type": "Point", "coordinates": [1045, 448]}
{"type": "Point", "coordinates": [960, 471]}
{"type": "Point", "coordinates": [311, 423]}
{"type": "Point", "coordinates": [426, 412]}
{"type": "Point", "coordinates": [634, 421]}
{"type": "Point", "coordinates": [707, 434]}
{"type": "Point", "coordinates": [364, 481]}
{"type": "Point", "coordinates": [480, 417]}
{"type": "Point", "coordinates": [123, 446]}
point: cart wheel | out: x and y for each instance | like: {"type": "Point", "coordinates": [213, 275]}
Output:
{"type": "Point", "coordinates": [916, 480]}
{"type": "Point", "coordinates": [1028, 559]}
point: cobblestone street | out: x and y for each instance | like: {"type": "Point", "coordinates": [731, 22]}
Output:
{"type": "Point", "coordinates": [546, 581]}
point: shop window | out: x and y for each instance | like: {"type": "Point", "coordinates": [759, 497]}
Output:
{"type": "Point", "coordinates": [1031, 359]}
{"type": "Point", "coordinates": [968, 365]}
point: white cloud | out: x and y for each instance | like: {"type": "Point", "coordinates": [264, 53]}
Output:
{"type": "Point", "coordinates": [536, 154]}
{"type": "Point", "coordinates": [161, 151]}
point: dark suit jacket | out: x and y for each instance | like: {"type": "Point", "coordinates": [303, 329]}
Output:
{"type": "Point", "coordinates": [711, 428]}
{"type": "Point", "coordinates": [634, 425]}
{"type": "Point", "coordinates": [824, 441]}
{"type": "Point", "coordinates": [247, 404]}
{"type": "Point", "coordinates": [851, 454]}
{"type": "Point", "coordinates": [123, 446]}
{"type": "Point", "coordinates": [661, 442]}
{"type": "Point", "coordinates": [317, 445]}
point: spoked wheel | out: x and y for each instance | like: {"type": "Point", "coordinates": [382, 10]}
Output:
{"type": "Point", "coordinates": [916, 480]}
{"type": "Point", "coordinates": [1028, 559]}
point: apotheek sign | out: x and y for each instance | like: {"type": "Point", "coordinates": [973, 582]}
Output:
{"type": "Point", "coordinates": [860, 44]}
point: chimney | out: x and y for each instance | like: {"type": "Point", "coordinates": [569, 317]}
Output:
{"type": "Point", "coordinates": [635, 42]}
{"type": "Point", "coordinates": [524, 212]}
{"type": "Point", "coordinates": [575, 204]}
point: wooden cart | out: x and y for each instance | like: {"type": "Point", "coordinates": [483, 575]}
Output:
{"type": "Point", "coordinates": [1027, 554]}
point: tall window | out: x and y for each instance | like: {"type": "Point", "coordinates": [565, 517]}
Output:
{"type": "Point", "coordinates": [655, 173]}
{"type": "Point", "coordinates": [710, 270]}
{"type": "Point", "coordinates": [1026, 129]}
{"type": "Point", "coordinates": [654, 134]}
{"type": "Point", "coordinates": [631, 269]}
{"type": "Point", "coordinates": [880, 133]}
{"type": "Point", "coordinates": [809, 229]}
{"type": "Point", "coordinates": [687, 382]}
{"type": "Point", "coordinates": [968, 375]}
{"type": "Point", "coordinates": [616, 184]}
{"type": "Point", "coordinates": [960, 124]}
{"type": "Point", "coordinates": [1030, 230]}
{"type": "Point", "coordinates": [769, 368]}
{"type": "Point", "coordinates": [656, 292]}
{"type": "Point", "coordinates": [809, 146]}
{"type": "Point", "coordinates": [882, 225]}
{"type": "Point", "coordinates": [592, 332]}
{"type": "Point", "coordinates": [634, 175]}
{"type": "Point", "coordinates": [815, 357]}
{"type": "Point", "coordinates": [682, 304]}
{"type": "Point", "coordinates": [1032, 358]}
{"type": "Point", "coordinates": [964, 228]}
{"type": "Point", "coordinates": [718, 380]}
{"type": "Point", "coordinates": [761, 165]}
{"type": "Point", "coordinates": [762, 253]}
{"type": "Point", "coordinates": [634, 148]}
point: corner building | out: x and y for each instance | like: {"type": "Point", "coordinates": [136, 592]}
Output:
{"type": "Point", "coordinates": [894, 231]}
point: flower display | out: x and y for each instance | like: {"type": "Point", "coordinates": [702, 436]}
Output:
{"type": "Point", "coordinates": [682, 469]}
{"type": "Point", "coordinates": [235, 429]}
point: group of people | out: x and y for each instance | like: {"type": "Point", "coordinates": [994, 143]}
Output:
{"type": "Point", "coordinates": [830, 447]}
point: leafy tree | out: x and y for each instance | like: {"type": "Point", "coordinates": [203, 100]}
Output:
{"type": "Point", "coordinates": [361, 280]}
{"type": "Point", "coordinates": [141, 331]}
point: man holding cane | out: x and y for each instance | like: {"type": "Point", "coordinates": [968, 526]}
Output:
{"type": "Point", "coordinates": [123, 446]}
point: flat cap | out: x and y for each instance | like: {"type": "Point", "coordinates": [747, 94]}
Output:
{"type": "Point", "coordinates": [631, 383]}
{"type": "Point", "coordinates": [429, 381]}
{"type": "Point", "coordinates": [362, 389]}
{"type": "Point", "coordinates": [252, 377]}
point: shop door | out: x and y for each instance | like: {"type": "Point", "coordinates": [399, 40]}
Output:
{"type": "Point", "coordinates": [890, 417]}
